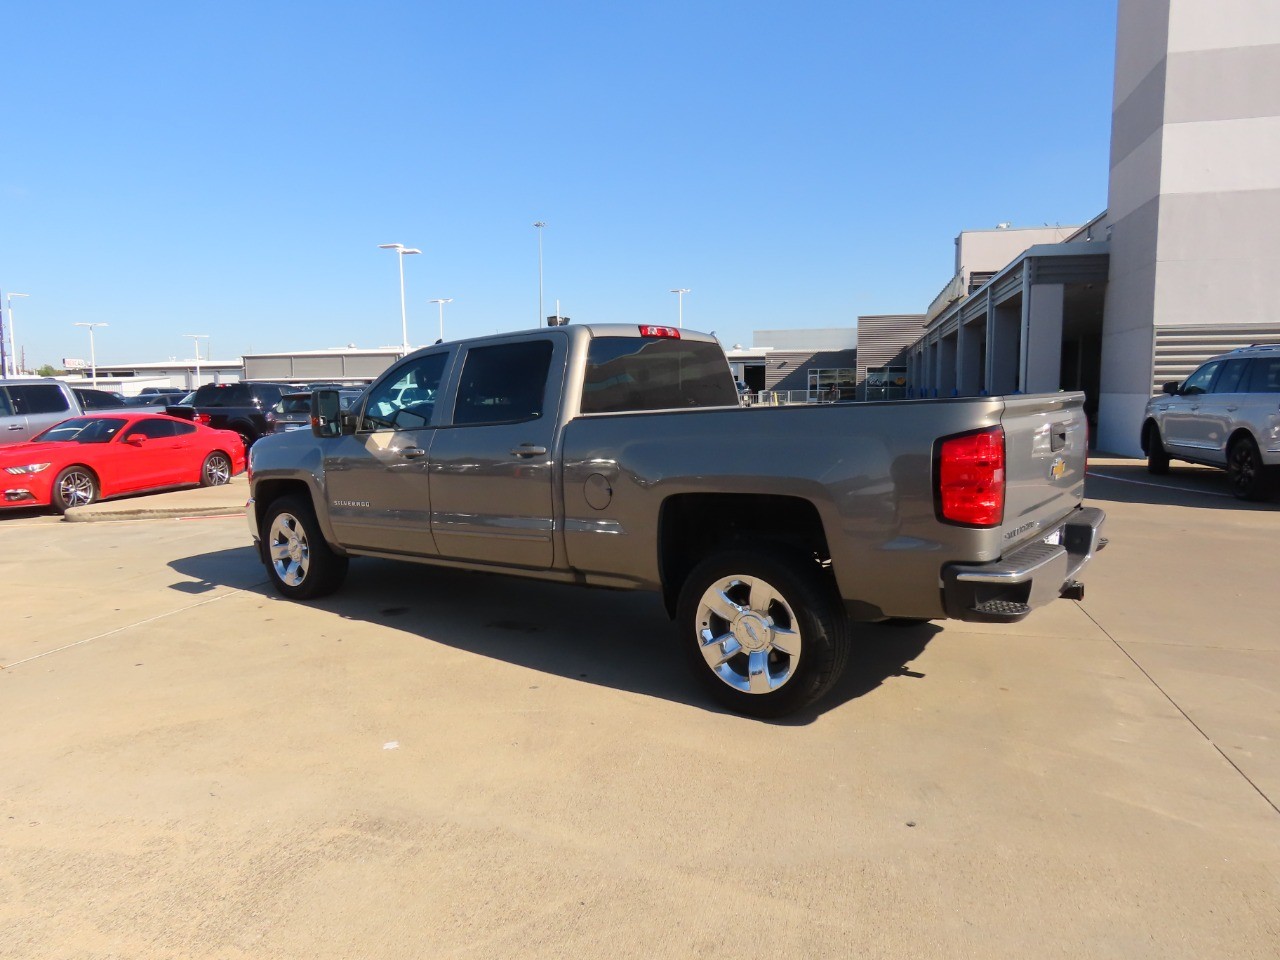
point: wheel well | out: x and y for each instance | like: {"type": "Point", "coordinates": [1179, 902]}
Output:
{"type": "Point", "coordinates": [1235, 437]}
{"type": "Point", "coordinates": [267, 492]}
{"type": "Point", "coordinates": [692, 526]}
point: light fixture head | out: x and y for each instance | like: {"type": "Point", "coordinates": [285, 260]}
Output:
{"type": "Point", "coordinates": [391, 246]}
{"type": "Point", "coordinates": [405, 251]}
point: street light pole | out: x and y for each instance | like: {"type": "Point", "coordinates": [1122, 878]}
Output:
{"type": "Point", "coordinates": [442, 301]}
{"type": "Point", "coordinates": [196, 338]}
{"type": "Point", "coordinates": [93, 357]}
{"type": "Point", "coordinates": [540, 224]}
{"type": "Point", "coordinates": [401, 252]}
{"type": "Point", "coordinates": [680, 292]}
{"type": "Point", "coordinates": [13, 341]}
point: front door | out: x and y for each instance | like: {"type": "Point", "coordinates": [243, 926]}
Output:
{"type": "Point", "coordinates": [1185, 430]}
{"type": "Point", "coordinates": [376, 481]}
{"type": "Point", "coordinates": [492, 466]}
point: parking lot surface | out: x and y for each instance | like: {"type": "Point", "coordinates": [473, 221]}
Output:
{"type": "Point", "coordinates": [439, 764]}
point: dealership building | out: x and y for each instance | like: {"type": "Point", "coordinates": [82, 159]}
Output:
{"type": "Point", "coordinates": [1182, 264]}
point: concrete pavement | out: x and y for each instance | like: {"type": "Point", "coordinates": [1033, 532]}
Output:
{"type": "Point", "coordinates": [439, 764]}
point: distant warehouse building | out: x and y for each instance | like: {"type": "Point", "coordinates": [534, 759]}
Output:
{"type": "Point", "coordinates": [335, 365]}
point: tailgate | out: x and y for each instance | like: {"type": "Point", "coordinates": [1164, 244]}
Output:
{"type": "Point", "coordinates": [1046, 441]}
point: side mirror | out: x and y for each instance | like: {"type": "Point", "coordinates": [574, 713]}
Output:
{"type": "Point", "coordinates": [1171, 388]}
{"type": "Point", "coordinates": [135, 440]}
{"type": "Point", "coordinates": [326, 413]}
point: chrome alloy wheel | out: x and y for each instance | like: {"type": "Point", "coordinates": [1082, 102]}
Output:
{"type": "Point", "coordinates": [748, 634]}
{"type": "Point", "coordinates": [289, 550]}
{"type": "Point", "coordinates": [75, 487]}
{"type": "Point", "coordinates": [217, 470]}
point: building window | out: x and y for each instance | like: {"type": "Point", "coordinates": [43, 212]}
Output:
{"type": "Point", "coordinates": [822, 380]}
{"type": "Point", "coordinates": [886, 383]}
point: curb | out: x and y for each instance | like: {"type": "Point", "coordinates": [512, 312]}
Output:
{"type": "Point", "coordinates": [91, 515]}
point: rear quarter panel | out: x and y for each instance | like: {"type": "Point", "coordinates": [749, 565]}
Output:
{"type": "Point", "coordinates": [866, 468]}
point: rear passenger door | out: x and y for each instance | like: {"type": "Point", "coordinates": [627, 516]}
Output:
{"type": "Point", "coordinates": [1219, 409]}
{"type": "Point", "coordinates": [492, 460]}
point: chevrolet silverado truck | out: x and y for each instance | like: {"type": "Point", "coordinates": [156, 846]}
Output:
{"type": "Point", "coordinates": [618, 456]}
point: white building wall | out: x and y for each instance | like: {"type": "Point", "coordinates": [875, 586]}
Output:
{"type": "Point", "coordinates": [1195, 185]}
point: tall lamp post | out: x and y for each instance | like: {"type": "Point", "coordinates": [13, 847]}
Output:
{"type": "Point", "coordinates": [13, 341]}
{"type": "Point", "coordinates": [680, 292]}
{"type": "Point", "coordinates": [540, 224]}
{"type": "Point", "coordinates": [93, 357]}
{"type": "Point", "coordinates": [401, 252]}
{"type": "Point", "coordinates": [442, 301]}
{"type": "Point", "coordinates": [196, 338]}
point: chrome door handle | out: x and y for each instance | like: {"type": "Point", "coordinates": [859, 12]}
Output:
{"type": "Point", "coordinates": [15, 426]}
{"type": "Point", "coordinates": [528, 450]}
{"type": "Point", "coordinates": [413, 453]}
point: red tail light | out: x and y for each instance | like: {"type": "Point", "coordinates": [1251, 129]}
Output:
{"type": "Point", "coordinates": [650, 331]}
{"type": "Point", "coordinates": [204, 418]}
{"type": "Point", "coordinates": [969, 478]}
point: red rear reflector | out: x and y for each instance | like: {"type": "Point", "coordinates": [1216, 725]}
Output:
{"type": "Point", "coordinates": [970, 478]}
{"type": "Point", "coordinates": [671, 332]}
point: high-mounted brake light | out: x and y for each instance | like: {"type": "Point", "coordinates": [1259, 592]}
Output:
{"type": "Point", "coordinates": [670, 332]}
{"type": "Point", "coordinates": [969, 478]}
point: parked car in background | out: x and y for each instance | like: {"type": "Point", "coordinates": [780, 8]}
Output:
{"type": "Point", "coordinates": [94, 457]}
{"type": "Point", "coordinates": [241, 407]}
{"type": "Point", "coordinates": [1226, 414]}
{"type": "Point", "coordinates": [92, 400]}
{"type": "Point", "coordinates": [293, 412]}
{"type": "Point", "coordinates": [30, 404]}
{"type": "Point", "coordinates": [160, 398]}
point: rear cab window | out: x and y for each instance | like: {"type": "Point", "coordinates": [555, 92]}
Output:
{"type": "Point", "coordinates": [504, 383]}
{"type": "Point", "coordinates": [640, 373]}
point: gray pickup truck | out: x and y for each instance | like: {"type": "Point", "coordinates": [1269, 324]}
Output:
{"type": "Point", "coordinates": [618, 456]}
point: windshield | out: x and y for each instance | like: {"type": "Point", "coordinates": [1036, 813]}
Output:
{"type": "Point", "coordinates": [83, 430]}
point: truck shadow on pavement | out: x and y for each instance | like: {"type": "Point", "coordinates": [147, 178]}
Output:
{"type": "Point", "coordinates": [618, 639]}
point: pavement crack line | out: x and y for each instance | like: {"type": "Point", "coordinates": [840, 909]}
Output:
{"type": "Point", "coordinates": [1155, 683]}
{"type": "Point", "coordinates": [127, 626]}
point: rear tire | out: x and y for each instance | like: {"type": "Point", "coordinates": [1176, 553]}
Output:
{"type": "Point", "coordinates": [75, 486]}
{"type": "Point", "coordinates": [1157, 455]}
{"type": "Point", "coordinates": [1246, 471]}
{"type": "Point", "coordinates": [216, 470]}
{"type": "Point", "coordinates": [765, 633]}
{"type": "Point", "coordinates": [300, 564]}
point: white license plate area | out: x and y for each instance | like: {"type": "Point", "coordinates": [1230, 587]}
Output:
{"type": "Point", "coordinates": [1054, 539]}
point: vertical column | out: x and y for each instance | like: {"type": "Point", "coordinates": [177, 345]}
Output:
{"type": "Point", "coordinates": [1042, 338]}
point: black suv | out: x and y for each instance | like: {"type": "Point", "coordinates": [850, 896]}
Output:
{"type": "Point", "coordinates": [242, 407]}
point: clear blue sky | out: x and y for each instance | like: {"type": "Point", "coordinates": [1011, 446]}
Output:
{"type": "Point", "coordinates": [231, 168]}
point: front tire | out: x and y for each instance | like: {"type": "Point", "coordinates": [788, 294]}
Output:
{"type": "Point", "coordinates": [75, 486]}
{"type": "Point", "coordinates": [1157, 455]}
{"type": "Point", "coordinates": [216, 470]}
{"type": "Point", "coordinates": [764, 632]}
{"type": "Point", "coordinates": [1246, 471]}
{"type": "Point", "coordinates": [300, 564]}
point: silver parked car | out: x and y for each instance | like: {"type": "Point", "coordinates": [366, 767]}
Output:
{"type": "Point", "coordinates": [1226, 414]}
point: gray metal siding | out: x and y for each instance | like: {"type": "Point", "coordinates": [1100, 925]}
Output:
{"type": "Point", "coordinates": [1179, 350]}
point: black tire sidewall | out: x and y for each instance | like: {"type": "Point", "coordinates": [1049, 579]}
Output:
{"type": "Point", "coordinates": [824, 647]}
{"type": "Point", "coordinates": [1157, 455]}
{"type": "Point", "coordinates": [1259, 488]}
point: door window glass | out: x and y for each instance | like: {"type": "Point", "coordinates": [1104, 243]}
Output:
{"type": "Point", "coordinates": [38, 398]}
{"type": "Point", "coordinates": [151, 429]}
{"type": "Point", "coordinates": [406, 400]}
{"type": "Point", "coordinates": [1264, 375]}
{"type": "Point", "coordinates": [1232, 373]}
{"type": "Point", "coordinates": [1199, 381]}
{"type": "Point", "coordinates": [504, 383]}
{"type": "Point", "coordinates": [183, 429]}
{"type": "Point", "coordinates": [6, 410]}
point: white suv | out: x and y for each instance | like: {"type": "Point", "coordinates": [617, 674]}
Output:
{"type": "Point", "coordinates": [1226, 414]}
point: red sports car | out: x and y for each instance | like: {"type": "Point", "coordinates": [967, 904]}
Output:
{"type": "Point", "coordinates": [91, 458]}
